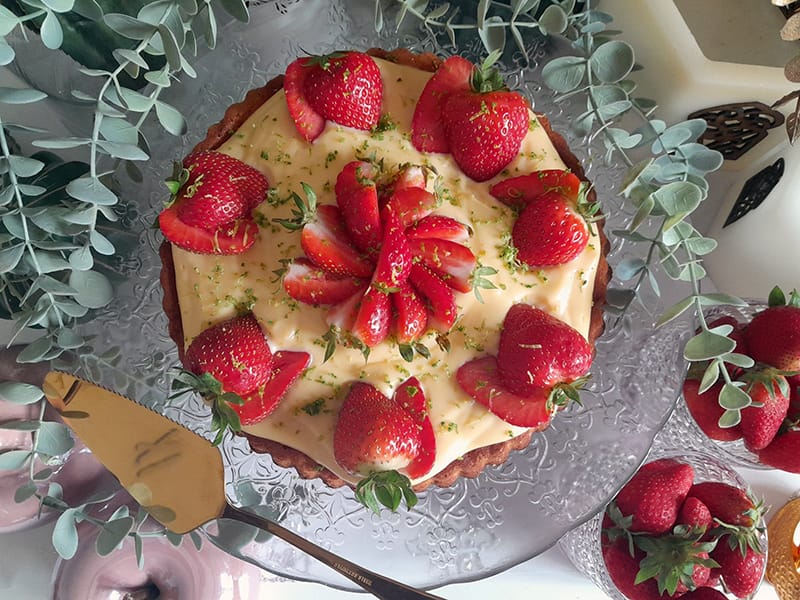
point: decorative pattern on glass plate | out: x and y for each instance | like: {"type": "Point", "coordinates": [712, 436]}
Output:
{"type": "Point", "coordinates": [476, 527]}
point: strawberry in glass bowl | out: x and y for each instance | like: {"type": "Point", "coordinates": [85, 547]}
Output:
{"type": "Point", "coordinates": [684, 526]}
{"type": "Point", "coordinates": [763, 431]}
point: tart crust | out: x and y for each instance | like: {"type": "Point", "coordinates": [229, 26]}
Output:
{"type": "Point", "coordinates": [472, 463]}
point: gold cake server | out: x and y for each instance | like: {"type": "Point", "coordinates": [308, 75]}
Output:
{"type": "Point", "coordinates": [176, 475]}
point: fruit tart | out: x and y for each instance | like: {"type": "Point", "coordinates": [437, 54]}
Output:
{"type": "Point", "coordinates": [384, 264]}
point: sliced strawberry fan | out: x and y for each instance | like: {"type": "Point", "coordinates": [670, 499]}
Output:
{"type": "Point", "coordinates": [381, 271]}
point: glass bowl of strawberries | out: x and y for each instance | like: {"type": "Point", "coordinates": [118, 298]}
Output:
{"type": "Point", "coordinates": [685, 525]}
{"type": "Point", "coordinates": [766, 432]}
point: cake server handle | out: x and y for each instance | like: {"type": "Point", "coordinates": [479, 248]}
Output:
{"type": "Point", "coordinates": [377, 585]}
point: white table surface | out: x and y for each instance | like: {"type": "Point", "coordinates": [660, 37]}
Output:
{"type": "Point", "coordinates": [28, 558]}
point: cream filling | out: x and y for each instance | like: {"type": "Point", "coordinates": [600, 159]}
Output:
{"type": "Point", "coordinates": [210, 288]}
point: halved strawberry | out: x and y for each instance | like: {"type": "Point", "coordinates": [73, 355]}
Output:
{"type": "Point", "coordinates": [307, 283]}
{"type": "Point", "coordinates": [427, 134]}
{"type": "Point", "coordinates": [439, 227]}
{"type": "Point", "coordinates": [357, 198]}
{"type": "Point", "coordinates": [287, 366]}
{"type": "Point", "coordinates": [374, 317]}
{"type": "Point", "coordinates": [410, 314]}
{"type": "Point", "coordinates": [394, 259]}
{"type": "Point", "coordinates": [309, 122]}
{"type": "Point", "coordinates": [451, 261]}
{"type": "Point", "coordinates": [411, 176]}
{"type": "Point", "coordinates": [518, 192]}
{"type": "Point", "coordinates": [480, 379]}
{"type": "Point", "coordinates": [549, 232]}
{"type": "Point", "coordinates": [233, 238]}
{"type": "Point", "coordinates": [412, 204]}
{"type": "Point", "coordinates": [327, 244]}
{"type": "Point", "coordinates": [411, 397]}
{"type": "Point", "coordinates": [373, 433]}
{"type": "Point", "coordinates": [441, 300]}
{"type": "Point", "coordinates": [343, 314]}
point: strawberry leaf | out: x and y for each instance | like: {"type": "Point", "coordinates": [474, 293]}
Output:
{"type": "Point", "coordinates": [385, 489]}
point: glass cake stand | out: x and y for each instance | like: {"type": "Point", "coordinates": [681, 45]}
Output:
{"type": "Point", "coordinates": [475, 528]}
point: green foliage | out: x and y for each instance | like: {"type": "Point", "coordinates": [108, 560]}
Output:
{"type": "Point", "coordinates": [58, 217]}
{"type": "Point", "coordinates": [385, 489]}
{"type": "Point", "coordinates": [494, 22]}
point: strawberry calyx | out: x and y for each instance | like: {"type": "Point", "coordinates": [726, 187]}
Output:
{"type": "Point", "coordinates": [179, 177]}
{"type": "Point", "coordinates": [485, 77]}
{"type": "Point", "coordinates": [223, 417]}
{"type": "Point", "coordinates": [385, 489]}
{"type": "Point", "coordinates": [778, 298]}
{"type": "Point", "coordinates": [565, 392]}
{"type": "Point", "coordinates": [669, 558]}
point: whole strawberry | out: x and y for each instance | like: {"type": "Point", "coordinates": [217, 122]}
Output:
{"type": "Point", "coordinates": [549, 231]}
{"type": "Point", "coordinates": [235, 352]}
{"type": "Point", "coordinates": [773, 336]}
{"type": "Point", "coordinates": [484, 126]}
{"type": "Point", "coordinates": [218, 189]}
{"type": "Point", "coordinates": [761, 420]}
{"type": "Point", "coordinates": [344, 87]}
{"type": "Point", "coordinates": [783, 452]}
{"type": "Point", "coordinates": [623, 567]}
{"type": "Point", "coordinates": [727, 503]}
{"type": "Point", "coordinates": [707, 411]}
{"type": "Point", "coordinates": [741, 568]}
{"type": "Point", "coordinates": [539, 350]}
{"type": "Point", "coordinates": [654, 495]}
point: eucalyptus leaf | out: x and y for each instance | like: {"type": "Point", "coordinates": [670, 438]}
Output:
{"type": "Point", "coordinates": [553, 20]}
{"type": "Point", "coordinates": [112, 534]}
{"type": "Point", "coordinates": [492, 34]}
{"type": "Point", "coordinates": [53, 439]}
{"type": "Point", "coordinates": [101, 243]}
{"type": "Point", "coordinates": [710, 376]}
{"type": "Point", "coordinates": [20, 95]}
{"type": "Point", "coordinates": [25, 492]}
{"type": "Point", "coordinates": [676, 310]}
{"type": "Point", "coordinates": [612, 61]}
{"type": "Point", "coordinates": [93, 289]}
{"type": "Point", "coordinates": [237, 9]}
{"type": "Point", "coordinates": [50, 32]}
{"type": "Point", "coordinates": [7, 53]}
{"type": "Point", "coordinates": [81, 259]}
{"type": "Point", "coordinates": [65, 534]}
{"type": "Point", "coordinates": [565, 73]}
{"type": "Point", "coordinates": [35, 351]}
{"type": "Point", "coordinates": [707, 345]}
{"type": "Point", "coordinates": [123, 151]}
{"type": "Point", "coordinates": [19, 393]}
{"type": "Point", "coordinates": [170, 118]}
{"type": "Point", "coordinates": [630, 267]}
{"type": "Point", "coordinates": [734, 397]}
{"type": "Point", "coordinates": [91, 189]}
{"type": "Point", "coordinates": [13, 459]}
{"type": "Point", "coordinates": [10, 257]}
{"type": "Point", "coordinates": [128, 26]}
